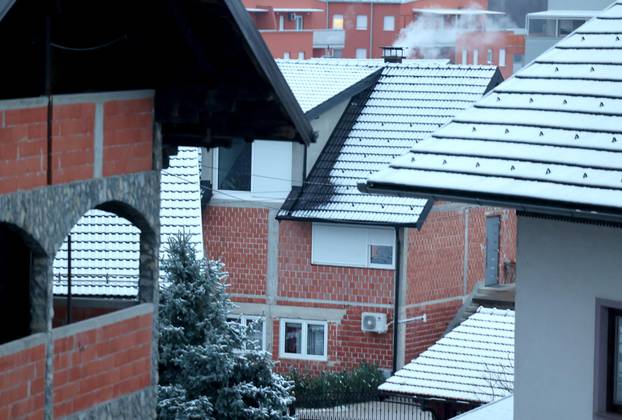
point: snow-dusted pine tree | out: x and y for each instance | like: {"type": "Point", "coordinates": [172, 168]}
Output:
{"type": "Point", "coordinates": [204, 373]}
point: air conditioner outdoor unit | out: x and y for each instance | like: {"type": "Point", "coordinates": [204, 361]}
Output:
{"type": "Point", "coordinates": [291, 16]}
{"type": "Point", "coordinates": [374, 322]}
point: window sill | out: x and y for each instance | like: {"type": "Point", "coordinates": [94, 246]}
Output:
{"type": "Point", "coordinates": [295, 356]}
{"type": "Point", "coordinates": [363, 267]}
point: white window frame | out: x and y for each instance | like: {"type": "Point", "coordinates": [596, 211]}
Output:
{"type": "Point", "coordinates": [286, 55]}
{"type": "Point", "coordinates": [281, 23]}
{"type": "Point", "coordinates": [361, 22]}
{"type": "Point", "coordinates": [254, 194]}
{"type": "Point", "coordinates": [244, 319]}
{"type": "Point", "coordinates": [465, 56]}
{"type": "Point", "coordinates": [358, 50]}
{"type": "Point", "coordinates": [475, 57]}
{"type": "Point", "coordinates": [502, 57]}
{"type": "Point", "coordinates": [489, 56]}
{"type": "Point", "coordinates": [303, 346]}
{"type": "Point", "coordinates": [301, 55]}
{"type": "Point", "coordinates": [343, 23]}
{"type": "Point", "coordinates": [369, 242]}
{"type": "Point", "coordinates": [299, 21]}
{"type": "Point", "coordinates": [391, 27]}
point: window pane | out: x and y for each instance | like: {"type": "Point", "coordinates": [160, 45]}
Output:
{"type": "Point", "coordinates": [542, 27]}
{"type": "Point", "coordinates": [381, 254]}
{"type": "Point", "coordinates": [617, 378]}
{"type": "Point", "coordinates": [361, 22]}
{"type": "Point", "coordinates": [337, 21]}
{"type": "Point", "coordinates": [293, 337]}
{"type": "Point", "coordinates": [234, 166]}
{"type": "Point", "coordinates": [361, 53]}
{"type": "Point", "coordinates": [567, 26]}
{"type": "Point", "coordinates": [389, 23]}
{"type": "Point", "coordinates": [255, 333]}
{"type": "Point", "coordinates": [315, 340]}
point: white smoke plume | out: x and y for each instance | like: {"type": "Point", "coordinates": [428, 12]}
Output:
{"type": "Point", "coordinates": [426, 36]}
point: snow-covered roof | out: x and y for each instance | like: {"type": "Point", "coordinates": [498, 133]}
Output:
{"type": "Point", "coordinates": [315, 82]}
{"type": "Point", "coordinates": [468, 12]}
{"type": "Point", "coordinates": [105, 247]}
{"type": "Point", "coordinates": [547, 140]}
{"type": "Point", "coordinates": [564, 14]}
{"type": "Point", "coordinates": [473, 362]}
{"type": "Point", "coordinates": [408, 102]}
{"type": "Point", "coordinates": [502, 409]}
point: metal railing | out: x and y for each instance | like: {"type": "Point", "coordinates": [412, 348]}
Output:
{"type": "Point", "coordinates": [372, 406]}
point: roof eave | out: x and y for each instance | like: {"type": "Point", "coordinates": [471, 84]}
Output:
{"type": "Point", "coordinates": [555, 208]}
{"type": "Point", "coordinates": [258, 50]}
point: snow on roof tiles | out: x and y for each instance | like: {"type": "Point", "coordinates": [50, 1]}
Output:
{"type": "Point", "coordinates": [473, 362]}
{"type": "Point", "coordinates": [408, 102]}
{"type": "Point", "coordinates": [549, 139]}
{"type": "Point", "coordinates": [502, 409]}
{"type": "Point", "coordinates": [314, 82]}
{"type": "Point", "coordinates": [105, 247]}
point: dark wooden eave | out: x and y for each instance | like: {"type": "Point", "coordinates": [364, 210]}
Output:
{"type": "Point", "coordinates": [213, 76]}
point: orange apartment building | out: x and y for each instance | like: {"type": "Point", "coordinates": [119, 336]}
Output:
{"type": "Point", "coordinates": [300, 29]}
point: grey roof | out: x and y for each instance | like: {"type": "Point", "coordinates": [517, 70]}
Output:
{"type": "Point", "coordinates": [547, 140]}
{"type": "Point", "coordinates": [502, 409]}
{"type": "Point", "coordinates": [318, 82]}
{"type": "Point", "coordinates": [407, 103]}
{"type": "Point", "coordinates": [105, 247]}
{"type": "Point", "coordinates": [473, 362]}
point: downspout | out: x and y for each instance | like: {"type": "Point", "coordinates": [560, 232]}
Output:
{"type": "Point", "coordinates": [68, 279]}
{"type": "Point", "coordinates": [396, 296]}
{"type": "Point", "coordinates": [371, 30]}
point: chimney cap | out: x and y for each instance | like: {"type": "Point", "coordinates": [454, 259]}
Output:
{"type": "Point", "coordinates": [392, 54]}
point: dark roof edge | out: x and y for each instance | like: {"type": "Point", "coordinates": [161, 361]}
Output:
{"type": "Point", "coordinates": [349, 222]}
{"type": "Point", "coordinates": [260, 52]}
{"type": "Point", "coordinates": [5, 6]}
{"type": "Point", "coordinates": [495, 80]}
{"type": "Point", "coordinates": [578, 212]}
{"type": "Point", "coordinates": [349, 92]}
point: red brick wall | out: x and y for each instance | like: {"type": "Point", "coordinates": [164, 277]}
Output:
{"type": "Point", "coordinates": [128, 136]}
{"type": "Point", "coordinates": [101, 364]}
{"type": "Point", "coordinates": [23, 142]}
{"type": "Point", "coordinates": [299, 278]}
{"type": "Point", "coordinates": [239, 237]}
{"type": "Point", "coordinates": [22, 381]}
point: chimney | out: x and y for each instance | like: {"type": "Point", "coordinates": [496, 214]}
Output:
{"type": "Point", "coordinates": [392, 54]}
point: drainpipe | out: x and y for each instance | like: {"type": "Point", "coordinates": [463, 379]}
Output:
{"type": "Point", "coordinates": [371, 30]}
{"type": "Point", "coordinates": [68, 279]}
{"type": "Point", "coordinates": [396, 296]}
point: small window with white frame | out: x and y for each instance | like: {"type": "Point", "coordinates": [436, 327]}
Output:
{"type": "Point", "coordinates": [361, 22]}
{"type": "Point", "coordinates": [255, 330]}
{"type": "Point", "coordinates": [388, 23]}
{"type": "Point", "coordinates": [337, 21]}
{"type": "Point", "coordinates": [361, 53]}
{"type": "Point", "coordinates": [489, 56]}
{"type": "Point", "coordinates": [301, 55]}
{"type": "Point", "coordinates": [502, 57]}
{"type": "Point", "coordinates": [303, 339]}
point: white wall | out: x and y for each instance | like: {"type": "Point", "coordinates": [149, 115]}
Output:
{"type": "Point", "coordinates": [578, 4]}
{"type": "Point", "coordinates": [562, 268]}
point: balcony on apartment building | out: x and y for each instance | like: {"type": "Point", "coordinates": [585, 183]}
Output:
{"type": "Point", "coordinates": [301, 43]}
{"type": "Point", "coordinates": [545, 29]}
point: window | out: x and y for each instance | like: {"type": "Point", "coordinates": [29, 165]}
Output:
{"type": "Point", "coordinates": [567, 26]}
{"type": "Point", "coordinates": [361, 53]}
{"type": "Point", "coordinates": [298, 19]}
{"type": "Point", "coordinates": [301, 55]}
{"type": "Point", "coordinates": [256, 331]}
{"type": "Point", "coordinates": [247, 170]}
{"type": "Point", "coordinates": [361, 22]}
{"type": "Point", "coordinates": [502, 57]}
{"type": "Point", "coordinates": [492, 250]}
{"type": "Point", "coordinates": [517, 62]}
{"type": "Point", "coordinates": [489, 56]}
{"type": "Point", "coordinates": [337, 21]}
{"type": "Point", "coordinates": [281, 23]}
{"type": "Point", "coordinates": [476, 56]}
{"type": "Point", "coordinates": [388, 23]}
{"type": "Point", "coordinates": [234, 167]}
{"type": "Point", "coordinates": [300, 339]}
{"type": "Point", "coordinates": [614, 361]}
{"type": "Point", "coordinates": [542, 27]}
{"type": "Point", "coordinates": [465, 54]}
{"type": "Point", "coordinates": [353, 246]}
{"type": "Point", "coordinates": [286, 55]}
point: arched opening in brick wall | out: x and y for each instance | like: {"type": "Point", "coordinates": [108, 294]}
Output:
{"type": "Point", "coordinates": [18, 252]}
{"type": "Point", "coordinates": [105, 263]}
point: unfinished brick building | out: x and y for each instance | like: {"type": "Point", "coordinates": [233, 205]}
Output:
{"type": "Point", "coordinates": [95, 98]}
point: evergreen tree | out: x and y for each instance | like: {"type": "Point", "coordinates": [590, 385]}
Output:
{"type": "Point", "coordinates": [205, 372]}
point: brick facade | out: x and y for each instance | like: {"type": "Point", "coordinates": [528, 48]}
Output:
{"type": "Point", "coordinates": [437, 280]}
{"type": "Point", "coordinates": [22, 380]}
